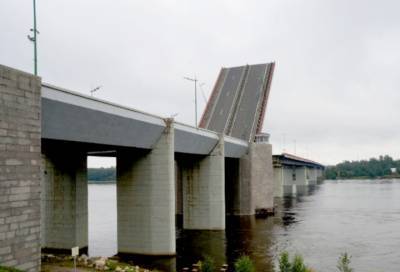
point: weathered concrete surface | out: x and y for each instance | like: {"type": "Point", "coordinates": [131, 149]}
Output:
{"type": "Point", "coordinates": [292, 180]}
{"type": "Point", "coordinates": [278, 181]}
{"type": "Point", "coordinates": [301, 181]}
{"type": "Point", "coordinates": [263, 175]}
{"type": "Point", "coordinates": [146, 198]}
{"type": "Point", "coordinates": [20, 160]}
{"type": "Point", "coordinates": [178, 190]}
{"type": "Point", "coordinates": [254, 187]}
{"type": "Point", "coordinates": [313, 176]}
{"type": "Point", "coordinates": [320, 176]}
{"type": "Point", "coordinates": [64, 199]}
{"type": "Point", "coordinates": [203, 183]}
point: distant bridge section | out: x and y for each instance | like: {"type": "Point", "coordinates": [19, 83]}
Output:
{"type": "Point", "coordinates": [294, 175]}
{"type": "Point", "coordinates": [238, 102]}
{"type": "Point", "coordinates": [286, 159]}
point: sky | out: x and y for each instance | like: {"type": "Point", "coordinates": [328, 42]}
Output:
{"type": "Point", "coordinates": [336, 89]}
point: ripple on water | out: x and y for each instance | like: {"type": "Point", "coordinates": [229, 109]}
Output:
{"type": "Point", "coordinates": [361, 217]}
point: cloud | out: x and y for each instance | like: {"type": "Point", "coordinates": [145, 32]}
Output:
{"type": "Point", "coordinates": [336, 86]}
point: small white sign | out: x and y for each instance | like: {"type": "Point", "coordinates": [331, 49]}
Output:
{"type": "Point", "coordinates": [75, 251]}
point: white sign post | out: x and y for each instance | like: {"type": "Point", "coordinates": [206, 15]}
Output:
{"type": "Point", "coordinates": [74, 253]}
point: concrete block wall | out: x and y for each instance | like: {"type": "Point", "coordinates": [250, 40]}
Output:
{"type": "Point", "coordinates": [64, 200]}
{"type": "Point", "coordinates": [146, 198]}
{"type": "Point", "coordinates": [203, 182]}
{"type": "Point", "coordinates": [20, 162]}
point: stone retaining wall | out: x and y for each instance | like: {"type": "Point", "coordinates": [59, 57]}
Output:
{"type": "Point", "coordinates": [20, 165]}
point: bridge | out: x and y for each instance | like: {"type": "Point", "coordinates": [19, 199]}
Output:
{"type": "Point", "coordinates": [164, 168]}
{"type": "Point", "coordinates": [294, 175]}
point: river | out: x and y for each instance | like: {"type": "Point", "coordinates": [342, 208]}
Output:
{"type": "Point", "coordinates": [361, 217]}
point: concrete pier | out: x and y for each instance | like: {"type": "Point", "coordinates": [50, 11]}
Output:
{"type": "Point", "coordinates": [301, 181]}
{"type": "Point", "coordinates": [64, 200]}
{"type": "Point", "coordinates": [278, 181]}
{"type": "Point", "coordinates": [313, 176]}
{"type": "Point", "coordinates": [203, 186]}
{"type": "Point", "coordinates": [252, 190]}
{"type": "Point", "coordinates": [20, 162]}
{"type": "Point", "coordinates": [262, 175]}
{"type": "Point", "coordinates": [146, 198]}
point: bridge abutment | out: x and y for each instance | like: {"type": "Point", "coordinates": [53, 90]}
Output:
{"type": "Point", "coordinates": [203, 186]}
{"type": "Point", "coordinates": [146, 199]}
{"type": "Point", "coordinates": [20, 129]}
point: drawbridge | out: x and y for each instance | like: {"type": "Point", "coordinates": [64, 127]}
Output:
{"type": "Point", "coordinates": [238, 101]}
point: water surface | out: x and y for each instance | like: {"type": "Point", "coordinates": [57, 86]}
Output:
{"type": "Point", "coordinates": [360, 217]}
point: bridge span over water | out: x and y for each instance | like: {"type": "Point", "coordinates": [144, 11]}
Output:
{"type": "Point", "coordinates": [164, 168]}
{"type": "Point", "coordinates": [294, 175]}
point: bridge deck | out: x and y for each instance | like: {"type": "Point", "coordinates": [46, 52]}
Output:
{"type": "Point", "coordinates": [71, 116]}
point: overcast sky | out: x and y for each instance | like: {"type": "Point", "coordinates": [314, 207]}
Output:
{"type": "Point", "coordinates": [336, 89]}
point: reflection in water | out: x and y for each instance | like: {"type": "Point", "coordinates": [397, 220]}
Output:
{"type": "Point", "coordinates": [247, 235]}
{"type": "Point", "coordinates": [195, 245]}
{"type": "Point", "coordinates": [360, 217]}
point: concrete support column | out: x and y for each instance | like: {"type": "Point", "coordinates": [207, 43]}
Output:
{"type": "Point", "coordinates": [64, 200]}
{"type": "Point", "coordinates": [320, 173]}
{"type": "Point", "coordinates": [146, 198]}
{"type": "Point", "coordinates": [313, 176]}
{"type": "Point", "coordinates": [263, 176]}
{"type": "Point", "coordinates": [289, 181]}
{"type": "Point", "coordinates": [203, 181]}
{"type": "Point", "coordinates": [278, 181]}
{"type": "Point", "coordinates": [301, 180]}
{"type": "Point", "coordinates": [255, 189]}
{"type": "Point", "coordinates": [178, 190]}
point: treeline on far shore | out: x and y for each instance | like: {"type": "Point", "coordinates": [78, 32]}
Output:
{"type": "Point", "coordinates": [102, 175]}
{"type": "Point", "coordinates": [382, 167]}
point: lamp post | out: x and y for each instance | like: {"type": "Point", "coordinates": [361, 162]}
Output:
{"type": "Point", "coordinates": [34, 39]}
{"type": "Point", "coordinates": [95, 90]}
{"type": "Point", "coordinates": [195, 96]}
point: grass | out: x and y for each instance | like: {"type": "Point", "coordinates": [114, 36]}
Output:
{"type": "Point", "coordinates": [9, 269]}
{"type": "Point", "coordinates": [244, 264]}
